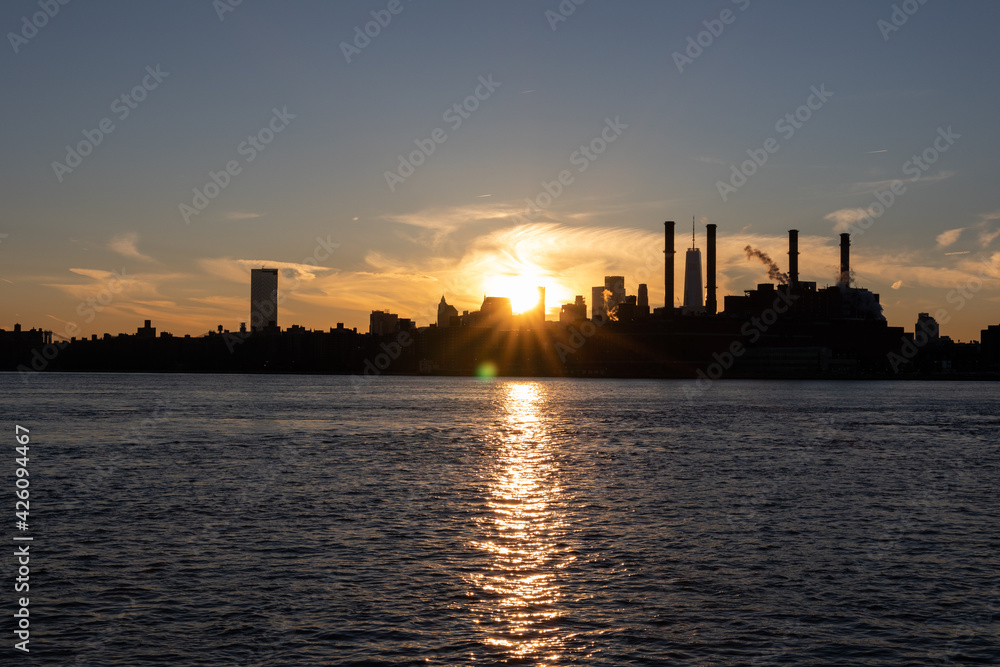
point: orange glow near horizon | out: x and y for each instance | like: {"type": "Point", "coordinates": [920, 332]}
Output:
{"type": "Point", "coordinates": [522, 290]}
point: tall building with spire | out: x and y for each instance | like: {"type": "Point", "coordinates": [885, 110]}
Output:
{"type": "Point", "coordinates": [693, 287]}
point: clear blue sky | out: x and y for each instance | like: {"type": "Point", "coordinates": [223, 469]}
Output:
{"type": "Point", "coordinates": [458, 226]}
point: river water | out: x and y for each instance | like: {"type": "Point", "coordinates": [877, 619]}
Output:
{"type": "Point", "coordinates": [315, 520]}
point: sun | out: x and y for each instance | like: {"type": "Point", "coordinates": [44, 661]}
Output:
{"type": "Point", "coordinates": [521, 290]}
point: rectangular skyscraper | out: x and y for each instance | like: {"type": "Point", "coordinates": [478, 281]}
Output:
{"type": "Point", "coordinates": [616, 286]}
{"type": "Point", "coordinates": [597, 309]}
{"type": "Point", "coordinates": [263, 299]}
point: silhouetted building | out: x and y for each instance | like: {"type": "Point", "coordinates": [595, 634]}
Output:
{"type": "Point", "coordinates": [381, 323]}
{"type": "Point", "coordinates": [692, 281]}
{"type": "Point", "coordinates": [538, 313]}
{"type": "Point", "coordinates": [614, 287]}
{"type": "Point", "coordinates": [845, 259]}
{"type": "Point", "coordinates": [447, 315]}
{"type": "Point", "coordinates": [929, 326]}
{"type": "Point", "coordinates": [573, 312]}
{"type": "Point", "coordinates": [668, 265]}
{"type": "Point", "coordinates": [263, 299]}
{"type": "Point", "coordinates": [496, 312]}
{"type": "Point", "coordinates": [598, 311]}
{"type": "Point", "coordinates": [711, 302]}
{"type": "Point", "coordinates": [146, 331]}
{"type": "Point", "coordinates": [793, 257]}
{"type": "Point", "coordinates": [989, 340]}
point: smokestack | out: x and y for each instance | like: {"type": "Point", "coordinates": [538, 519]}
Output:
{"type": "Point", "coordinates": [668, 264]}
{"type": "Point", "coordinates": [793, 257]}
{"type": "Point", "coordinates": [845, 258]}
{"type": "Point", "coordinates": [711, 305]}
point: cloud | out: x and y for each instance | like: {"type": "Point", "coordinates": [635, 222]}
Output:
{"type": "Point", "coordinates": [897, 284]}
{"type": "Point", "coordinates": [450, 218]}
{"type": "Point", "coordinates": [986, 238]}
{"type": "Point", "coordinates": [845, 218]}
{"type": "Point", "coordinates": [237, 215]}
{"type": "Point", "coordinates": [872, 186]}
{"type": "Point", "coordinates": [110, 294]}
{"type": "Point", "coordinates": [988, 231]}
{"type": "Point", "coordinates": [436, 224]}
{"type": "Point", "coordinates": [945, 239]}
{"type": "Point", "coordinates": [238, 270]}
{"type": "Point", "coordinates": [126, 246]}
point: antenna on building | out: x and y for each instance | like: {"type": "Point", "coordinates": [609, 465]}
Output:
{"type": "Point", "coordinates": [692, 232]}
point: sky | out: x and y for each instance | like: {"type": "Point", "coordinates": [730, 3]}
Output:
{"type": "Point", "coordinates": [155, 152]}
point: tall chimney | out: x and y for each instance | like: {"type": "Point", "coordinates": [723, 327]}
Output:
{"type": "Point", "coordinates": [845, 259]}
{"type": "Point", "coordinates": [711, 305]}
{"type": "Point", "coordinates": [793, 257]}
{"type": "Point", "coordinates": [668, 265]}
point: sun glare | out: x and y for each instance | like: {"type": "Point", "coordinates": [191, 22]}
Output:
{"type": "Point", "coordinates": [522, 290]}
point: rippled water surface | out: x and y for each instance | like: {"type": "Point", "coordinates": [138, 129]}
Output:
{"type": "Point", "coordinates": [296, 520]}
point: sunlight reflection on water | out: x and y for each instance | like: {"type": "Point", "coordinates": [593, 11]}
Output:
{"type": "Point", "coordinates": [525, 531]}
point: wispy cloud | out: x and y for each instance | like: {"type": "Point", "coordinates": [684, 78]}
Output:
{"type": "Point", "coordinates": [872, 186]}
{"type": "Point", "coordinates": [449, 218]}
{"type": "Point", "coordinates": [126, 245]}
{"type": "Point", "coordinates": [119, 293]}
{"type": "Point", "coordinates": [238, 215]}
{"type": "Point", "coordinates": [238, 270]}
{"type": "Point", "coordinates": [988, 228]}
{"type": "Point", "coordinates": [945, 239]}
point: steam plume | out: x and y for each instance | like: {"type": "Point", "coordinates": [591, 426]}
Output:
{"type": "Point", "coordinates": [773, 272]}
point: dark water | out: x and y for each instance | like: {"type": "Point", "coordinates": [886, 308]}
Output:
{"type": "Point", "coordinates": [249, 520]}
